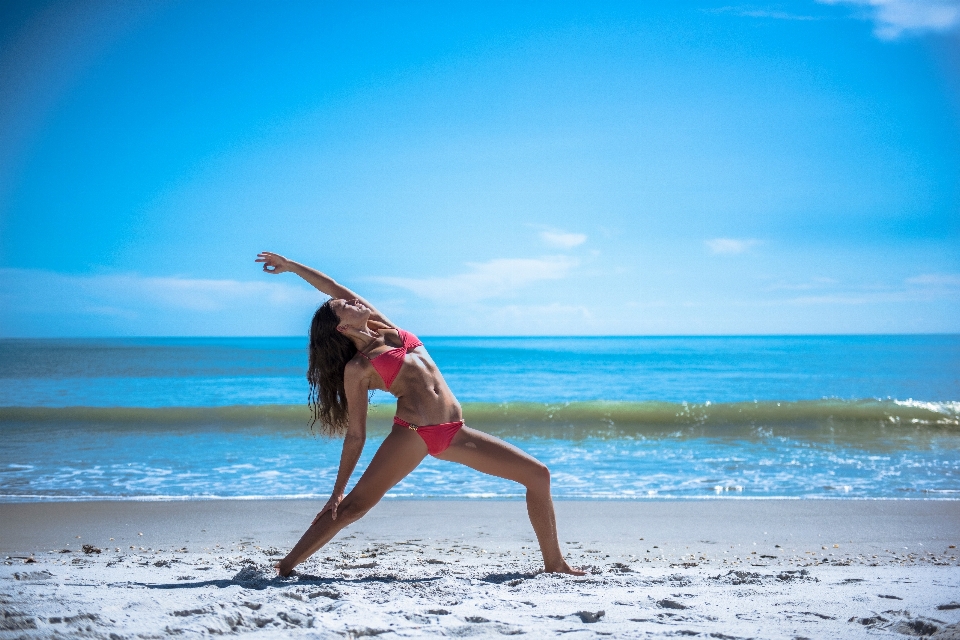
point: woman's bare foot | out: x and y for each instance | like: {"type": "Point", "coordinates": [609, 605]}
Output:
{"type": "Point", "coordinates": [565, 568]}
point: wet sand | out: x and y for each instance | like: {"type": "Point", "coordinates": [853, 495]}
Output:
{"type": "Point", "coordinates": [709, 568]}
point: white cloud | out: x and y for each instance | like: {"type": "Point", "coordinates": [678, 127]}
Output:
{"type": "Point", "coordinates": [853, 298]}
{"type": "Point", "coordinates": [813, 283]}
{"type": "Point", "coordinates": [926, 287]}
{"type": "Point", "coordinates": [37, 302]}
{"type": "Point", "coordinates": [894, 18]}
{"type": "Point", "coordinates": [487, 279]}
{"type": "Point", "coordinates": [562, 239]}
{"type": "Point", "coordinates": [730, 246]}
{"type": "Point", "coordinates": [936, 280]}
{"type": "Point", "coordinates": [190, 294]}
{"type": "Point", "coordinates": [762, 13]}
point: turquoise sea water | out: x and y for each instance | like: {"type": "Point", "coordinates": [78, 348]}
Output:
{"type": "Point", "coordinates": [857, 416]}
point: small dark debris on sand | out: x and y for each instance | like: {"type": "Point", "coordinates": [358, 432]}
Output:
{"type": "Point", "coordinates": [917, 627]}
{"type": "Point", "coordinates": [737, 578]}
{"type": "Point", "coordinates": [802, 574]}
{"type": "Point", "coordinates": [671, 604]}
{"type": "Point", "coordinates": [822, 616]}
{"type": "Point", "coordinates": [27, 576]}
{"type": "Point", "coordinates": [16, 621]}
{"type": "Point", "coordinates": [89, 548]}
{"type": "Point", "coordinates": [590, 616]}
{"type": "Point", "coordinates": [359, 565]}
{"type": "Point", "coordinates": [871, 621]}
{"type": "Point", "coordinates": [366, 632]}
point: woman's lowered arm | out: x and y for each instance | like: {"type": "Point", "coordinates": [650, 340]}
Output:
{"type": "Point", "coordinates": [354, 439]}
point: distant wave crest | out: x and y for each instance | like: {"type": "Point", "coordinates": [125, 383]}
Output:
{"type": "Point", "coordinates": [569, 420]}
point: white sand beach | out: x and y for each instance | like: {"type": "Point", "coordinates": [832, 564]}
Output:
{"type": "Point", "coordinates": [704, 568]}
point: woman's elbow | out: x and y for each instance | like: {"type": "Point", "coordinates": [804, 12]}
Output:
{"type": "Point", "coordinates": [355, 438]}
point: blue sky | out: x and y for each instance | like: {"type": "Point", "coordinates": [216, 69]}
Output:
{"type": "Point", "coordinates": [482, 168]}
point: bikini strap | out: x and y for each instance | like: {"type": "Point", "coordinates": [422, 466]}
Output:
{"type": "Point", "coordinates": [403, 423]}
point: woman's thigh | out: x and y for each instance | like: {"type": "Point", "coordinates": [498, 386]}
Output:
{"type": "Point", "coordinates": [493, 456]}
{"type": "Point", "coordinates": [398, 455]}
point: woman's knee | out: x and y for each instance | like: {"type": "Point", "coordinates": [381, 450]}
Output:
{"type": "Point", "coordinates": [538, 476]}
{"type": "Point", "coordinates": [355, 507]}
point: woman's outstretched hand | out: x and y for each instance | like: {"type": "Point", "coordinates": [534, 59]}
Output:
{"type": "Point", "coordinates": [331, 506]}
{"type": "Point", "coordinates": [273, 262]}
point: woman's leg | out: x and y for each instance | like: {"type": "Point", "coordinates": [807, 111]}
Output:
{"type": "Point", "coordinates": [399, 454]}
{"type": "Point", "coordinates": [495, 457]}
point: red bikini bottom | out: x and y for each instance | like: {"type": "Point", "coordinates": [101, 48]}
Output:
{"type": "Point", "coordinates": [436, 436]}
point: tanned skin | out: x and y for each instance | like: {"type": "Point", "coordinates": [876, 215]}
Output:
{"type": "Point", "coordinates": [422, 398]}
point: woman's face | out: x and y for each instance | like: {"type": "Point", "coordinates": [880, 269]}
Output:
{"type": "Point", "coordinates": [351, 313]}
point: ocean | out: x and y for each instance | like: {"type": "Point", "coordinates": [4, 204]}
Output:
{"type": "Point", "coordinates": [613, 417]}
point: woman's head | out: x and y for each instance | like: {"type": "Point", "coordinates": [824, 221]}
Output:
{"type": "Point", "coordinates": [330, 351]}
{"type": "Point", "coordinates": [352, 314]}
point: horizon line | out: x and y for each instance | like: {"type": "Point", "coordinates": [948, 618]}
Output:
{"type": "Point", "coordinates": [506, 337]}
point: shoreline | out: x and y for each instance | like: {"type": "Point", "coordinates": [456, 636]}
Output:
{"type": "Point", "coordinates": [858, 523]}
{"type": "Point", "coordinates": [657, 568]}
{"type": "Point", "coordinates": [468, 498]}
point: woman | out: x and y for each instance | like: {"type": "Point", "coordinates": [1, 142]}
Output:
{"type": "Point", "coordinates": [353, 349]}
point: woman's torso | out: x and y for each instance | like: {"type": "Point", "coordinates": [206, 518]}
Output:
{"type": "Point", "coordinates": [423, 397]}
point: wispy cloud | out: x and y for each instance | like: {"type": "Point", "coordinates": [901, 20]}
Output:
{"type": "Point", "coordinates": [562, 239]}
{"type": "Point", "coordinates": [147, 305]}
{"type": "Point", "coordinates": [773, 14]}
{"type": "Point", "coordinates": [936, 280]}
{"type": "Point", "coordinates": [852, 298]}
{"type": "Point", "coordinates": [195, 294]}
{"type": "Point", "coordinates": [925, 287]}
{"type": "Point", "coordinates": [487, 279]}
{"type": "Point", "coordinates": [809, 285]}
{"type": "Point", "coordinates": [730, 246]}
{"type": "Point", "coordinates": [895, 18]}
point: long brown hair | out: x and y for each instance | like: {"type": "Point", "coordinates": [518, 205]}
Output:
{"type": "Point", "coordinates": [330, 351]}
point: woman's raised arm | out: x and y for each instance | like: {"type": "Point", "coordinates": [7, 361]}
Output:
{"type": "Point", "coordinates": [275, 263]}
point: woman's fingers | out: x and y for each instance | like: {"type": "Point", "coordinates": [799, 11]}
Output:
{"type": "Point", "coordinates": [272, 262]}
{"type": "Point", "coordinates": [326, 508]}
{"type": "Point", "coordinates": [266, 256]}
{"type": "Point", "coordinates": [331, 506]}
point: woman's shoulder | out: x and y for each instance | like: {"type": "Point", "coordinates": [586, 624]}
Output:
{"type": "Point", "coordinates": [358, 372]}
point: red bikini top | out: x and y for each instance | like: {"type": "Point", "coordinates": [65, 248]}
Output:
{"type": "Point", "coordinates": [388, 363]}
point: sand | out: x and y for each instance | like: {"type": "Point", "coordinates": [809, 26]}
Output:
{"type": "Point", "coordinates": [706, 568]}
